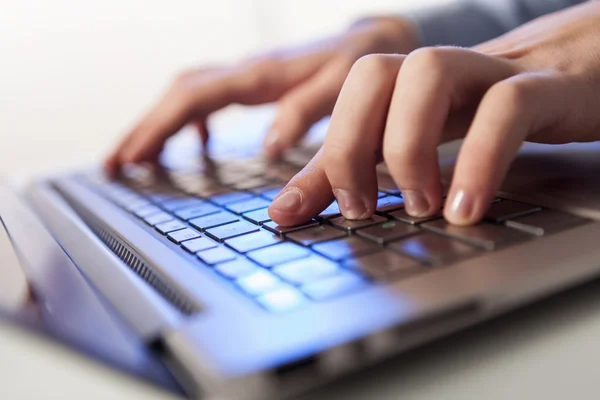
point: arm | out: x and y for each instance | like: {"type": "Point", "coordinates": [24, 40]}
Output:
{"type": "Point", "coordinates": [467, 23]}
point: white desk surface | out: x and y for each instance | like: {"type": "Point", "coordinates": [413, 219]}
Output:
{"type": "Point", "coordinates": [74, 77]}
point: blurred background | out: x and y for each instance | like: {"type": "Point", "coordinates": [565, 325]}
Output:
{"type": "Point", "coordinates": [74, 75]}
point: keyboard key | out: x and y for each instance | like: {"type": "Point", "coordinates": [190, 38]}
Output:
{"type": "Point", "coordinates": [230, 178]}
{"type": "Point", "coordinates": [183, 235]}
{"type": "Point", "coordinates": [334, 286]}
{"type": "Point", "coordinates": [330, 212]}
{"type": "Point", "coordinates": [387, 232]}
{"type": "Point", "coordinates": [501, 211]}
{"type": "Point", "coordinates": [217, 255]}
{"type": "Point", "coordinates": [247, 184]}
{"type": "Point", "coordinates": [199, 210]}
{"type": "Point", "coordinates": [258, 217]}
{"type": "Point", "coordinates": [343, 248]}
{"type": "Point", "coordinates": [231, 197]}
{"type": "Point", "coordinates": [432, 248]}
{"type": "Point", "coordinates": [199, 244]}
{"type": "Point", "coordinates": [228, 231]}
{"type": "Point", "coordinates": [278, 254]}
{"type": "Point", "coordinates": [182, 202]}
{"type": "Point", "coordinates": [146, 211]}
{"type": "Point", "coordinates": [167, 227]}
{"type": "Point", "coordinates": [282, 300]}
{"type": "Point", "coordinates": [213, 220]}
{"type": "Point", "coordinates": [316, 234]}
{"type": "Point", "coordinates": [271, 193]}
{"type": "Point", "coordinates": [258, 282]}
{"type": "Point", "coordinates": [241, 207]}
{"type": "Point", "coordinates": [281, 230]}
{"type": "Point", "coordinates": [350, 225]}
{"type": "Point", "coordinates": [252, 241]}
{"type": "Point", "coordinates": [236, 269]}
{"type": "Point", "coordinates": [162, 197]}
{"type": "Point", "coordinates": [389, 203]}
{"type": "Point", "coordinates": [158, 218]}
{"type": "Point", "coordinates": [402, 215]}
{"type": "Point", "coordinates": [385, 265]}
{"type": "Point", "coordinates": [545, 222]}
{"type": "Point", "coordinates": [306, 270]}
{"type": "Point", "coordinates": [135, 204]}
{"type": "Point", "coordinates": [259, 191]}
{"type": "Point", "coordinates": [204, 189]}
{"type": "Point", "coordinates": [484, 234]}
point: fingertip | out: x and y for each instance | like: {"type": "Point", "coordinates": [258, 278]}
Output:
{"type": "Point", "coordinates": [272, 145]}
{"type": "Point", "coordinates": [461, 208]}
{"type": "Point", "coordinates": [111, 164]}
{"type": "Point", "coordinates": [286, 207]}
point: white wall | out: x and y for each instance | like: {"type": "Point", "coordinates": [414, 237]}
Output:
{"type": "Point", "coordinates": [75, 74]}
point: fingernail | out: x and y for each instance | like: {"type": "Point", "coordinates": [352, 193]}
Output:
{"type": "Point", "coordinates": [461, 207]}
{"type": "Point", "coordinates": [351, 206]}
{"type": "Point", "coordinates": [289, 201]}
{"type": "Point", "coordinates": [415, 203]}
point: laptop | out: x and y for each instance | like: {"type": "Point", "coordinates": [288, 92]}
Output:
{"type": "Point", "coordinates": [178, 275]}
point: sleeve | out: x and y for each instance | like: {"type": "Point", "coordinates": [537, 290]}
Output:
{"type": "Point", "coordinates": [469, 22]}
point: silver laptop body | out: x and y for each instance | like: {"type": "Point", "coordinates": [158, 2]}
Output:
{"type": "Point", "coordinates": [218, 340]}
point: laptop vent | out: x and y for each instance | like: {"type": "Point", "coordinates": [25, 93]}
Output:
{"type": "Point", "coordinates": [132, 260]}
{"type": "Point", "coordinates": [143, 270]}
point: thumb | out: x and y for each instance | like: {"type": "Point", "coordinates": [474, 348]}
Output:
{"type": "Point", "coordinates": [306, 195]}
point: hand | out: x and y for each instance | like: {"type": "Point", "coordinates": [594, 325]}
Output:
{"type": "Point", "coordinates": [539, 83]}
{"type": "Point", "coordinates": [306, 81]}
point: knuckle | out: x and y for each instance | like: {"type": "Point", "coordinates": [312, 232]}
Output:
{"type": "Point", "coordinates": [428, 57]}
{"type": "Point", "coordinates": [257, 74]}
{"type": "Point", "coordinates": [372, 65]}
{"type": "Point", "coordinates": [433, 61]}
{"type": "Point", "coordinates": [182, 79]}
{"type": "Point", "coordinates": [182, 88]}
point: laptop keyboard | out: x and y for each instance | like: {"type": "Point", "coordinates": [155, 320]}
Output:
{"type": "Point", "coordinates": [219, 215]}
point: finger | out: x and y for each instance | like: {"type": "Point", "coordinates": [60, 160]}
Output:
{"type": "Point", "coordinates": [509, 112]}
{"type": "Point", "coordinates": [112, 162]}
{"type": "Point", "coordinates": [301, 107]}
{"type": "Point", "coordinates": [432, 83]}
{"type": "Point", "coordinates": [306, 194]}
{"type": "Point", "coordinates": [195, 95]}
{"type": "Point", "coordinates": [202, 129]}
{"type": "Point", "coordinates": [352, 147]}
{"type": "Point", "coordinates": [191, 97]}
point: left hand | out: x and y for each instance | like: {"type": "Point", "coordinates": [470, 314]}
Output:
{"type": "Point", "coordinates": [538, 83]}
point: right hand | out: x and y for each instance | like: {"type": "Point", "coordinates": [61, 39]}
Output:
{"type": "Point", "coordinates": [306, 82]}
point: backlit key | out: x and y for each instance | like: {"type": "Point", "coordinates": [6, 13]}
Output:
{"type": "Point", "coordinates": [183, 235]}
{"type": "Point", "coordinates": [229, 231]}
{"type": "Point", "coordinates": [334, 286]}
{"type": "Point", "coordinates": [344, 248]}
{"type": "Point", "coordinates": [278, 254]}
{"type": "Point", "coordinates": [259, 282]}
{"type": "Point", "coordinates": [252, 241]}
